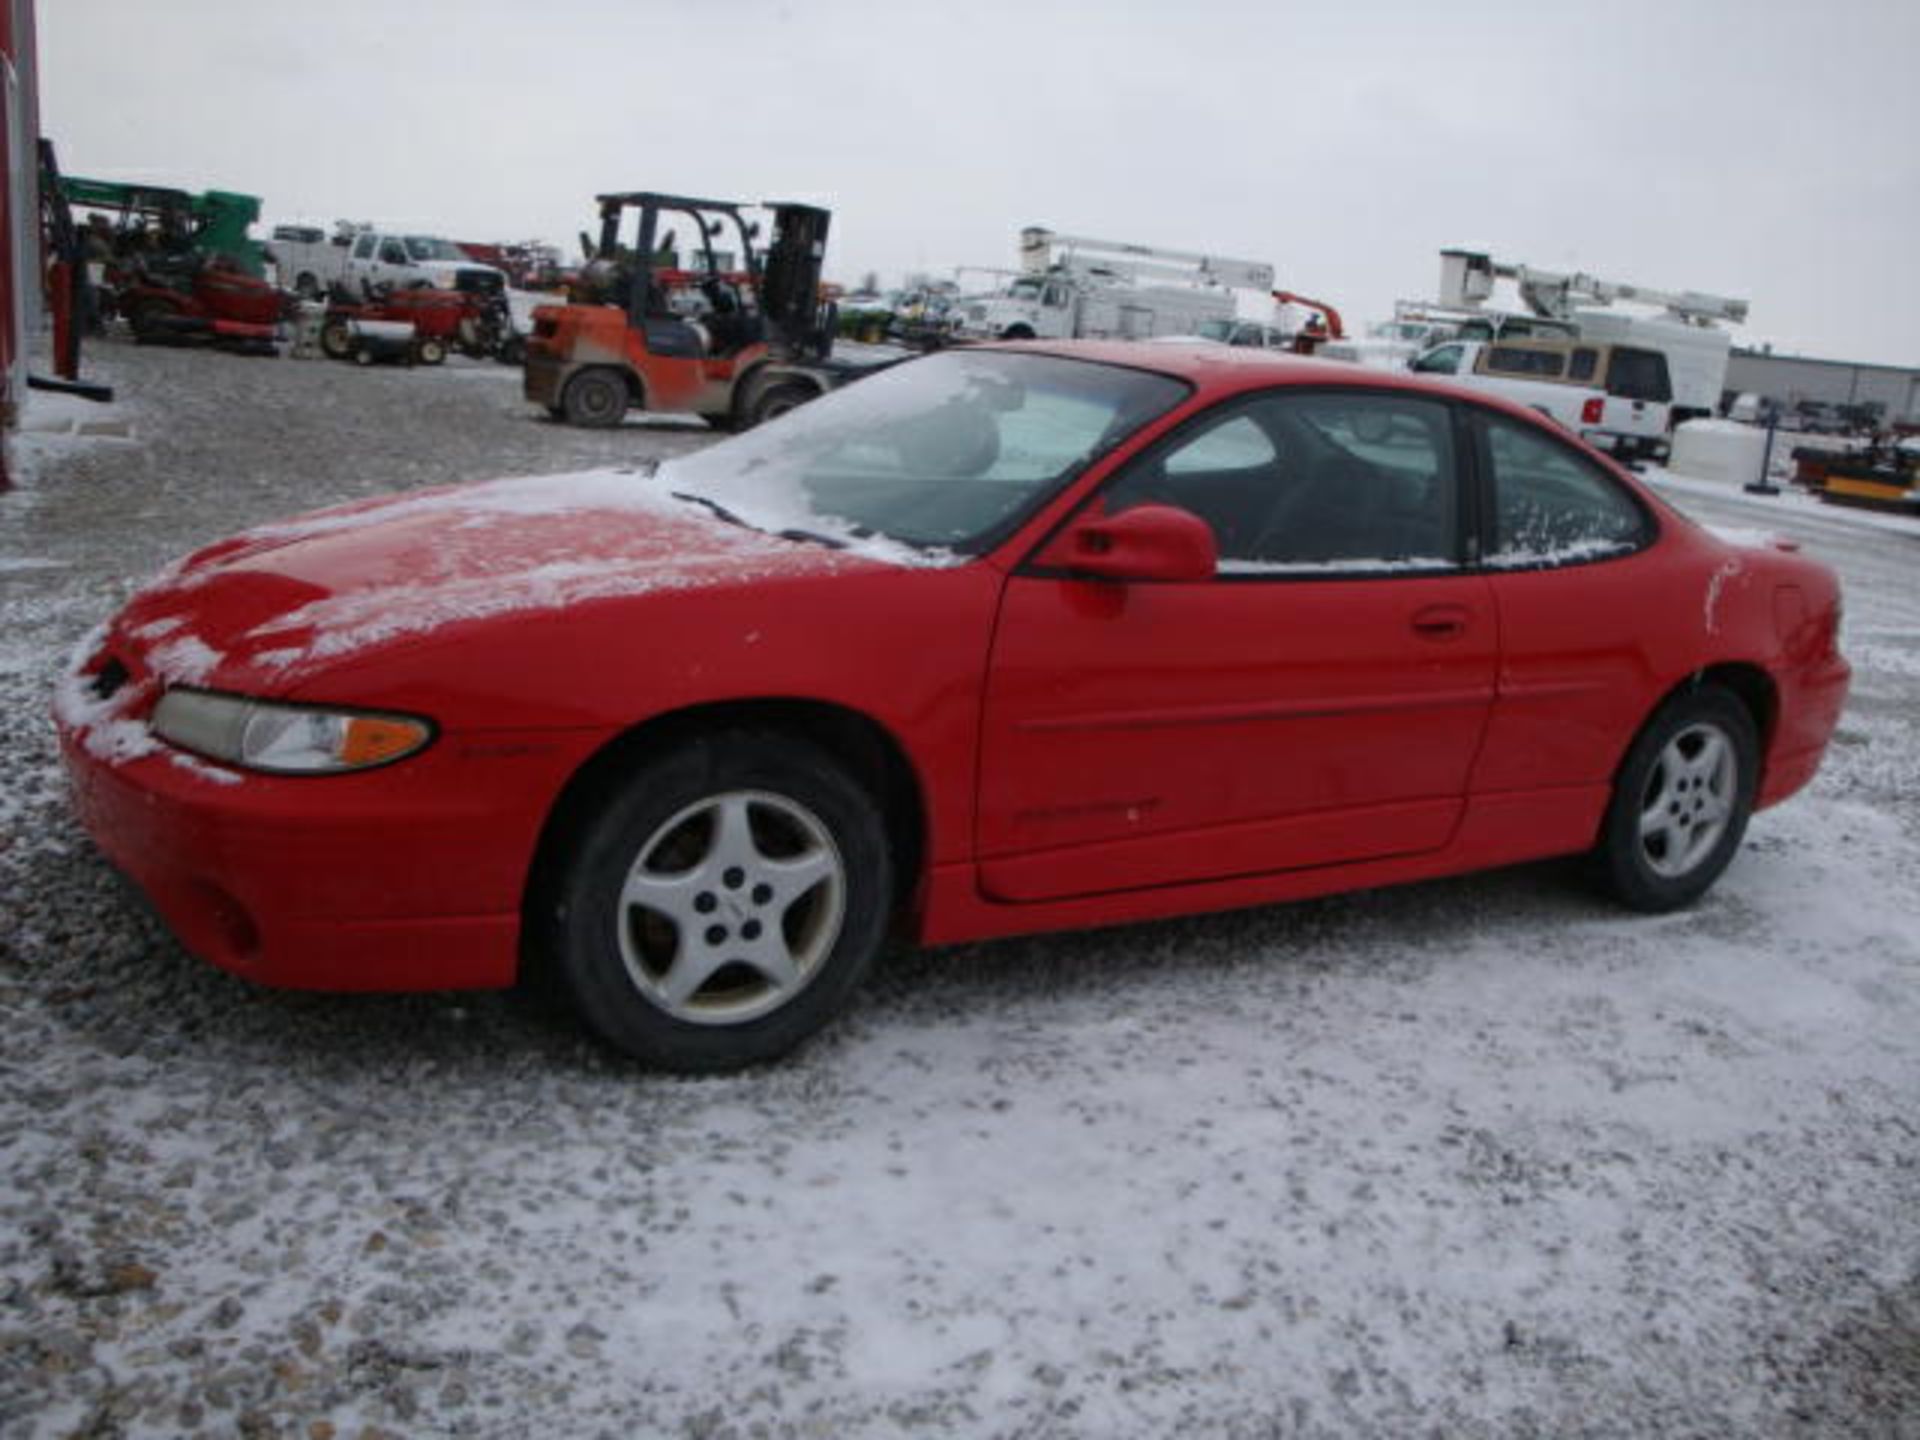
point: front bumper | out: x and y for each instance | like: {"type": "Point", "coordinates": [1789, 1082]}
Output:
{"type": "Point", "coordinates": [407, 878]}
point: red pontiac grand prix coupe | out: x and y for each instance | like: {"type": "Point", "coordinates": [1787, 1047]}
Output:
{"type": "Point", "coordinates": [1005, 639]}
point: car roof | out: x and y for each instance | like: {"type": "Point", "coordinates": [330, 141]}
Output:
{"type": "Point", "coordinates": [1217, 371]}
{"type": "Point", "coordinates": [1222, 369]}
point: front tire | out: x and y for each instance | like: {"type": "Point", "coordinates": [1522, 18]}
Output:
{"type": "Point", "coordinates": [595, 399]}
{"type": "Point", "coordinates": [1681, 802]}
{"type": "Point", "coordinates": [721, 906]}
{"type": "Point", "coordinates": [431, 351]}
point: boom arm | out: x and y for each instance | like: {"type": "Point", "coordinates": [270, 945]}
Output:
{"type": "Point", "coordinates": [1037, 246]}
{"type": "Point", "coordinates": [1467, 276]}
{"type": "Point", "coordinates": [1335, 331]}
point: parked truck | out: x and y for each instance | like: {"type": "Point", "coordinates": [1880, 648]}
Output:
{"type": "Point", "coordinates": [1077, 287]}
{"type": "Point", "coordinates": [1615, 397]}
{"type": "Point", "coordinates": [361, 259]}
{"type": "Point", "coordinates": [1686, 330]}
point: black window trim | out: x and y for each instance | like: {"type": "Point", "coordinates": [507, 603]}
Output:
{"type": "Point", "coordinates": [1472, 419]}
{"type": "Point", "coordinates": [1466, 539]}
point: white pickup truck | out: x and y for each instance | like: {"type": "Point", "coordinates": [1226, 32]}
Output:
{"type": "Point", "coordinates": [1615, 397]}
{"type": "Point", "coordinates": [360, 259]}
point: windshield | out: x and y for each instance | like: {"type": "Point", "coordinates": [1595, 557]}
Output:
{"type": "Point", "coordinates": [425, 247]}
{"type": "Point", "coordinates": [943, 452]}
{"type": "Point", "coordinates": [1217, 330]}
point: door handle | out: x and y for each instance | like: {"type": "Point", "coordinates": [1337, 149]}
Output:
{"type": "Point", "coordinates": [1441, 622]}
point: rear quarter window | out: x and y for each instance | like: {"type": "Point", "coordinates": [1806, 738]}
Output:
{"type": "Point", "coordinates": [1553, 506]}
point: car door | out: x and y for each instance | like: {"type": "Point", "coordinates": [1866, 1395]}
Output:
{"type": "Point", "coordinates": [391, 265]}
{"type": "Point", "coordinates": [1318, 700]}
{"type": "Point", "coordinates": [1579, 598]}
{"type": "Point", "coordinates": [360, 263]}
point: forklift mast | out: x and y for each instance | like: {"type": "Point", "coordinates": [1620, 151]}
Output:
{"type": "Point", "coordinates": [790, 286]}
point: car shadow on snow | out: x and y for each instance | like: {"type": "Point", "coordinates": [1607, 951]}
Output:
{"type": "Point", "coordinates": [1403, 931]}
{"type": "Point", "coordinates": [137, 991]}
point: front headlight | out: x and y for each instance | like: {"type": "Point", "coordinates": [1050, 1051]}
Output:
{"type": "Point", "coordinates": [285, 739]}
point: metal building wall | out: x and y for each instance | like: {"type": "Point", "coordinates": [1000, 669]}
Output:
{"type": "Point", "coordinates": [1788, 378]}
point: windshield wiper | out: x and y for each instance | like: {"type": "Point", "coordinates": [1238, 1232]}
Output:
{"type": "Point", "coordinates": [832, 542]}
{"type": "Point", "coordinates": [714, 505]}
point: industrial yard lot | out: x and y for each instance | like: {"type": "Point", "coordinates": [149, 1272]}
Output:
{"type": "Point", "coordinates": [1474, 1158]}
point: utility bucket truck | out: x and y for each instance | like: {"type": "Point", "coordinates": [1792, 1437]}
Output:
{"type": "Point", "coordinates": [1686, 331]}
{"type": "Point", "coordinates": [1074, 287]}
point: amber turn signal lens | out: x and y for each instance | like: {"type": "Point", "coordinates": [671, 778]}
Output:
{"type": "Point", "coordinates": [374, 740]}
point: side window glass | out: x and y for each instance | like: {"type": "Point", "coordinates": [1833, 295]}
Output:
{"type": "Point", "coordinates": [1236, 444]}
{"type": "Point", "coordinates": [1512, 360]}
{"type": "Point", "coordinates": [393, 253]}
{"type": "Point", "coordinates": [1551, 505]}
{"type": "Point", "coordinates": [1317, 481]}
{"type": "Point", "coordinates": [1443, 361]}
{"type": "Point", "coordinates": [1582, 366]}
{"type": "Point", "coordinates": [363, 247]}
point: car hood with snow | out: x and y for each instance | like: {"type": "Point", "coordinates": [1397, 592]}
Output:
{"type": "Point", "coordinates": [302, 608]}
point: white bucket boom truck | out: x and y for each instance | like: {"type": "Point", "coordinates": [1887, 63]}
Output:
{"type": "Point", "coordinates": [1687, 332]}
{"type": "Point", "coordinates": [1077, 287]}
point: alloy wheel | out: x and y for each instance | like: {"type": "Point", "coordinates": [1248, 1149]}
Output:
{"type": "Point", "coordinates": [731, 907]}
{"type": "Point", "coordinates": [1689, 800]}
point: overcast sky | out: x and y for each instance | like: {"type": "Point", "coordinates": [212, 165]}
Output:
{"type": "Point", "coordinates": [1763, 150]}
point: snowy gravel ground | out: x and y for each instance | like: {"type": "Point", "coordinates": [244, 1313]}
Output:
{"type": "Point", "coordinates": [1477, 1158]}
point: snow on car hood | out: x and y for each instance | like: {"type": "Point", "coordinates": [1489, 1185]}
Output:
{"type": "Point", "coordinates": [282, 597]}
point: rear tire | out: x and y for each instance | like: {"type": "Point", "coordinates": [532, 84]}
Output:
{"type": "Point", "coordinates": [595, 399]}
{"type": "Point", "coordinates": [722, 904]}
{"type": "Point", "coordinates": [1681, 802]}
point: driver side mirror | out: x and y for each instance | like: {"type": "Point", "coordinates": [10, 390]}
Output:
{"type": "Point", "coordinates": [1147, 542]}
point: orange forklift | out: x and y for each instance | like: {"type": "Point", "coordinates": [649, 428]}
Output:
{"type": "Point", "coordinates": [735, 337]}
